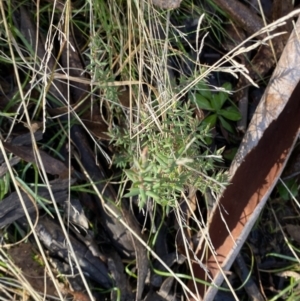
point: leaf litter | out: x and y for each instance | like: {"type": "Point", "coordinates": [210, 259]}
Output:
{"type": "Point", "coordinates": [104, 263]}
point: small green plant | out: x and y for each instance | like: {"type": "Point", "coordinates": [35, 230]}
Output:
{"type": "Point", "coordinates": [165, 160]}
{"type": "Point", "coordinates": [288, 189]}
{"type": "Point", "coordinates": [4, 185]}
{"type": "Point", "coordinates": [217, 105]}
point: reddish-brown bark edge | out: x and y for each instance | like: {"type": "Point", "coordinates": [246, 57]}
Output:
{"type": "Point", "coordinates": [252, 180]}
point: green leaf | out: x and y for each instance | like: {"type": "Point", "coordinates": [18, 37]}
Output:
{"type": "Point", "coordinates": [203, 103]}
{"type": "Point", "coordinates": [204, 90]}
{"type": "Point", "coordinates": [153, 195]}
{"type": "Point", "coordinates": [163, 160]}
{"type": "Point", "coordinates": [230, 153]}
{"type": "Point", "coordinates": [227, 86]}
{"type": "Point", "coordinates": [210, 120]}
{"type": "Point", "coordinates": [285, 193]}
{"type": "Point", "coordinates": [132, 192]}
{"type": "Point", "coordinates": [136, 163]}
{"type": "Point", "coordinates": [230, 113]}
{"type": "Point", "coordinates": [149, 168]}
{"type": "Point", "coordinates": [226, 125]}
{"type": "Point", "coordinates": [218, 100]}
{"type": "Point", "coordinates": [148, 179]}
{"type": "Point", "coordinates": [156, 185]}
{"type": "Point", "coordinates": [143, 198]}
{"type": "Point", "coordinates": [2, 114]}
{"type": "Point", "coordinates": [132, 176]}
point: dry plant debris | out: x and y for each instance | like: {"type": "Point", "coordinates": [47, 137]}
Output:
{"type": "Point", "coordinates": [114, 120]}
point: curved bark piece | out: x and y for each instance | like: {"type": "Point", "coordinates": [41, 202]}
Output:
{"type": "Point", "coordinates": [256, 168]}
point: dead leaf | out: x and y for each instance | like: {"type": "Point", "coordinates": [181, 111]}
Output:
{"type": "Point", "coordinates": [98, 128]}
{"type": "Point", "coordinates": [293, 232]}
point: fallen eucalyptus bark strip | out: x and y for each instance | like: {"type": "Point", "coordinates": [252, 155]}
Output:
{"type": "Point", "coordinates": [255, 170]}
